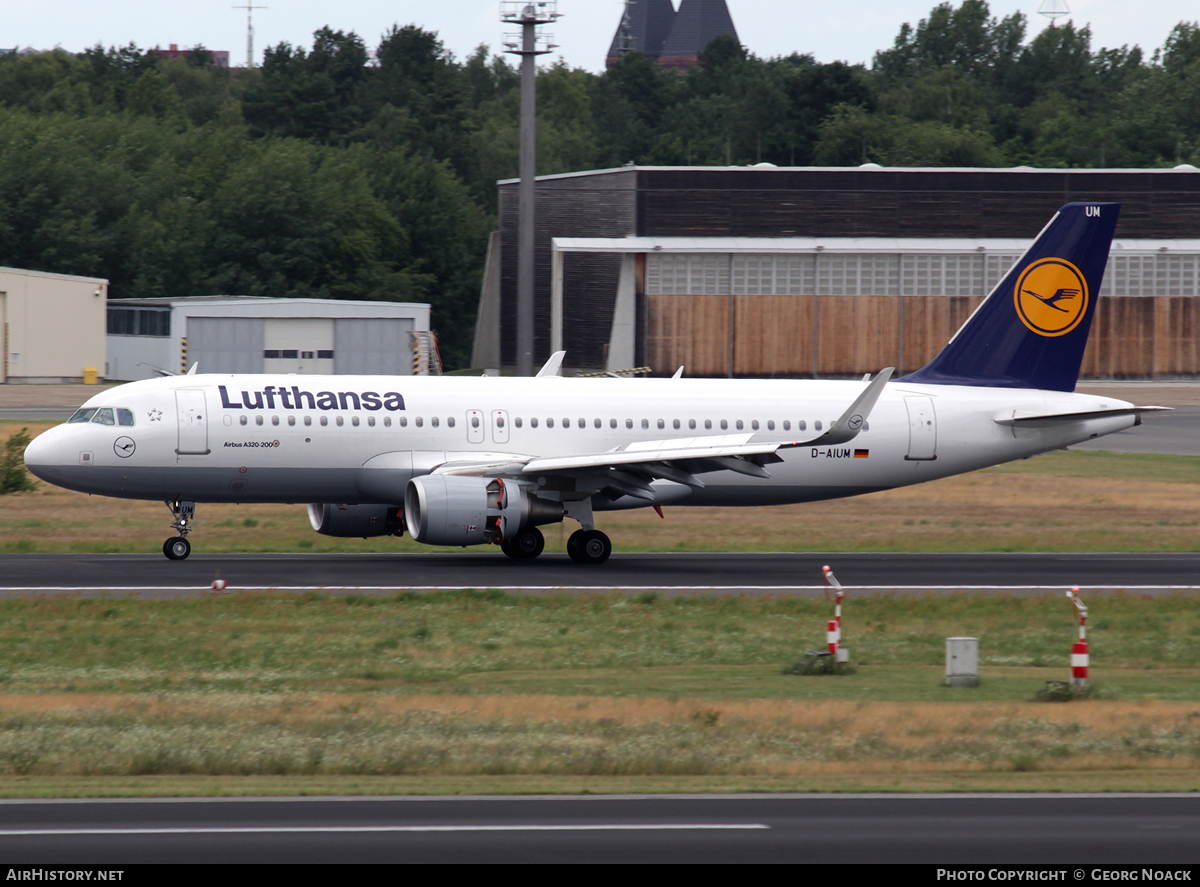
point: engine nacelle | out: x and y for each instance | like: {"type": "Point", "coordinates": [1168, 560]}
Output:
{"type": "Point", "coordinates": [355, 520]}
{"type": "Point", "coordinates": [447, 509]}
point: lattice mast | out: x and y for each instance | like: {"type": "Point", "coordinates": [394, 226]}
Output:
{"type": "Point", "coordinates": [249, 7]}
{"type": "Point", "coordinates": [528, 44]}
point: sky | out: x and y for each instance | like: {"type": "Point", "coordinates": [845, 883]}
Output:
{"type": "Point", "coordinates": [849, 30]}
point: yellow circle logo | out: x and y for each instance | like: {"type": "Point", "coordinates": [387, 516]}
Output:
{"type": "Point", "coordinates": [1051, 297]}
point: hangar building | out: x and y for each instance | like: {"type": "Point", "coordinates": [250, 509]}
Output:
{"type": "Point", "coordinates": [255, 334]}
{"type": "Point", "coordinates": [51, 325]}
{"type": "Point", "coordinates": [764, 271]}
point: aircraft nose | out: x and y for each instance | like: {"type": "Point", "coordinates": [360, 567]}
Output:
{"type": "Point", "coordinates": [43, 453]}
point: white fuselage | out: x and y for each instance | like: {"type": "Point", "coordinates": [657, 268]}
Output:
{"type": "Point", "coordinates": [358, 439]}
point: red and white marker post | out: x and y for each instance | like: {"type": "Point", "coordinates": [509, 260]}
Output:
{"type": "Point", "coordinates": [1079, 650]}
{"type": "Point", "coordinates": [835, 593]}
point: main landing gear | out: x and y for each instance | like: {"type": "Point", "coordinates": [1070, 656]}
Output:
{"type": "Point", "coordinates": [589, 547]}
{"type": "Point", "coordinates": [177, 547]}
{"type": "Point", "coordinates": [525, 545]}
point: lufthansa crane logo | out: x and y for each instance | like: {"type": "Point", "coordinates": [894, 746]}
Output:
{"type": "Point", "coordinates": [1051, 297]}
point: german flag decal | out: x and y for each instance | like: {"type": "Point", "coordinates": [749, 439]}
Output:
{"type": "Point", "coordinates": [861, 454]}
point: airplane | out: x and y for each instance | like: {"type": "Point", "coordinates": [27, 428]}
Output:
{"type": "Point", "coordinates": [458, 461]}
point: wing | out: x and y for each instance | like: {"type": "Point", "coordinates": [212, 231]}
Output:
{"type": "Point", "coordinates": [631, 468]}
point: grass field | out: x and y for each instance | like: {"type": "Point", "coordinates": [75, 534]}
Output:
{"type": "Point", "coordinates": [1062, 501]}
{"type": "Point", "coordinates": [481, 691]}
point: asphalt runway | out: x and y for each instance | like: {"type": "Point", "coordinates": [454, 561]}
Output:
{"type": "Point", "coordinates": [152, 575]}
{"type": "Point", "coordinates": [1074, 831]}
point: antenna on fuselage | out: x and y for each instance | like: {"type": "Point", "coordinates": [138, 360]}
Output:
{"type": "Point", "coordinates": [192, 370]}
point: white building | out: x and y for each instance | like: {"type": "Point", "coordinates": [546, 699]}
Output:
{"type": "Point", "coordinates": [254, 334]}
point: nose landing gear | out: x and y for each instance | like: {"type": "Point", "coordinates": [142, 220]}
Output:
{"type": "Point", "coordinates": [177, 547]}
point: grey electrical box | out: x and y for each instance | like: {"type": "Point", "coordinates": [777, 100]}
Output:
{"type": "Point", "coordinates": [962, 662]}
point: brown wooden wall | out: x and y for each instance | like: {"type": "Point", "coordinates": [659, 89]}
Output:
{"type": "Point", "coordinates": [1132, 336]}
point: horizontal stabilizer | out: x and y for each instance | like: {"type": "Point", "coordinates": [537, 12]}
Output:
{"type": "Point", "coordinates": [1022, 419]}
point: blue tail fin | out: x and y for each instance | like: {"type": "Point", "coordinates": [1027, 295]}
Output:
{"type": "Point", "coordinates": [1031, 331]}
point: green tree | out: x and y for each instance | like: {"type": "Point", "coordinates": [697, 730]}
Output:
{"type": "Point", "coordinates": [13, 477]}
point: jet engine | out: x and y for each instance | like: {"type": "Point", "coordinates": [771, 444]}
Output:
{"type": "Point", "coordinates": [356, 520]}
{"type": "Point", "coordinates": [447, 509]}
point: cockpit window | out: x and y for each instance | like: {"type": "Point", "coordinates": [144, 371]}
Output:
{"type": "Point", "coordinates": [82, 415]}
{"type": "Point", "coordinates": [104, 417]}
{"type": "Point", "coordinates": [124, 417]}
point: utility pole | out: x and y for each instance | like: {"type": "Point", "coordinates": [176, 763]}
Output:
{"type": "Point", "coordinates": [249, 7]}
{"type": "Point", "coordinates": [528, 45]}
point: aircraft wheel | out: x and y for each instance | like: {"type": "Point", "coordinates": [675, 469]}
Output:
{"type": "Point", "coordinates": [177, 548]}
{"type": "Point", "coordinates": [525, 545]}
{"type": "Point", "coordinates": [589, 547]}
{"type": "Point", "coordinates": [529, 543]}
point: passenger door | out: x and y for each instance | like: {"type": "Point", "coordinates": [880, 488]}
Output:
{"type": "Point", "coordinates": [922, 429]}
{"type": "Point", "coordinates": [193, 422]}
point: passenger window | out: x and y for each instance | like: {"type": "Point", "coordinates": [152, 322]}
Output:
{"type": "Point", "coordinates": [517, 421]}
{"type": "Point", "coordinates": [675, 424]}
{"type": "Point", "coordinates": [434, 421]}
{"type": "Point", "coordinates": [324, 421]}
{"type": "Point", "coordinates": [739, 425]}
{"type": "Point", "coordinates": [474, 421]}
{"type": "Point", "coordinates": [692, 424]}
{"type": "Point", "coordinates": [549, 423]}
{"type": "Point", "coordinates": [404, 421]}
{"type": "Point", "coordinates": [258, 420]}
{"type": "Point", "coordinates": [770, 425]}
{"type": "Point", "coordinates": [645, 424]}
{"type": "Point", "coordinates": [533, 423]}
{"type": "Point", "coordinates": [274, 420]}
{"type": "Point", "coordinates": [124, 417]}
{"type": "Point", "coordinates": [354, 421]}
{"type": "Point", "coordinates": [291, 420]}
{"type": "Point", "coordinates": [597, 423]}
{"type": "Point", "coordinates": [628, 423]}
{"type": "Point", "coordinates": [242, 420]}
{"type": "Point", "coordinates": [82, 416]}
{"type": "Point", "coordinates": [387, 421]}
{"type": "Point", "coordinates": [801, 425]}
{"type": "Point", "coordinates": [662, 424]}
{"type": "Point", "coordinates": [817, 425]}
{"type": "Point", "coordinates": [307, 420]}
{"type": "Point", "coordinates": [419, 421]}
{"type": "Point", "coordinates": [340, 421]}
{"type": "Point", "coordinates": [787, 425]}
{"type": "Point", "coordinates": [450, 422]}
{"type": "Point", "coordinates": [499, 422]}
{"type": "Point", "coordinates": [724, 425]}
{"type": "Point", "coordinates": [612, 423]}
{"type": "Point", "coordinates": [708, 424]}
{"type": "Point", "coordinates": [371, 421]}
{"type": "Point", "coordinates": [566, 423]}
{"type": "Point", "coordinates": [104, 417]}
